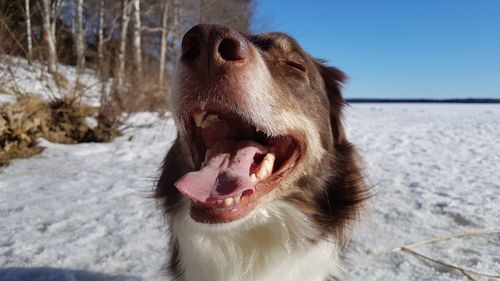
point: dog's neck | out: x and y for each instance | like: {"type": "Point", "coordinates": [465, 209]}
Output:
{"type": "Point", "coordinates": [275, 243]}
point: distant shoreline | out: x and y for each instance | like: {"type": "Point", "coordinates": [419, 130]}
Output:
{"type": "Point", "coordinates": [471, 100]}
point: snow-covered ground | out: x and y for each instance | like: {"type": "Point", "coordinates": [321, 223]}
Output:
{"type": "Point", "coordinates": [437, 169]}
{"type": "Point", "coordinates": [75, 210]}
{"type": "Point", "coordinates": [17, 76]}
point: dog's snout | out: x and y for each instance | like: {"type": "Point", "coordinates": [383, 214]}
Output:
{"type": "Point", "coordinates": [213, 48]}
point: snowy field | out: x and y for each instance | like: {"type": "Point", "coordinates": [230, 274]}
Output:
{"type": "Point", "coordinates": [82, 212]}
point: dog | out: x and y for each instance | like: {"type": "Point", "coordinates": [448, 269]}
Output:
{"type": "Point", "coordinates": [261, 182]}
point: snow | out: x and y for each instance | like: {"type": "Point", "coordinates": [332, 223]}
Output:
{"type": "Point", "coordinates": [84, 212]}
{"type": "Point", "coordinates": [17, 76]}
{"type": "Point", "coordinates": [437, 172]}
{"type": "Point", "coordinates": [87, 207]}
{"type": "Point", "coordinates": [53, 274]}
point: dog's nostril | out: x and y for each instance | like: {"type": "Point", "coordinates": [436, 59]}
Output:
{"type": "Point", "coordinates": [232, 49]}
{"type": "Point", "coordinates": [191, 45]}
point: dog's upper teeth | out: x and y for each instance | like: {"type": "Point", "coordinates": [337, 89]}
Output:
{"type": "Point", "coordinates": [266, 166]}
{"type": "Point", "coordinates": [202, 120]}
{"type": "Point", "coordinates": [228, 201]}
{"type": "Point", "coordinates": [199, 117]}
{"type": "Point", "coordinates": [209, 119]}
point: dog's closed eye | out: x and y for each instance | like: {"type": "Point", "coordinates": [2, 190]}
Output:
{"type": "Point", "coordinates": [296, 61]}
{"type": "Point", "coordinates": [297, 65]}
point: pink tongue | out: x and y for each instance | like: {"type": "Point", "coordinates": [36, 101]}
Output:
{"type": "Point", "coordinates": [225, 172]}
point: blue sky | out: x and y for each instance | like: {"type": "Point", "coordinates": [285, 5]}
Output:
{"type": "Point", "coordinates": [398, 48]}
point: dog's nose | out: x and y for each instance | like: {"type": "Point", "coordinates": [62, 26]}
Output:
{"type": "Point", "coordinates": [207, 46]}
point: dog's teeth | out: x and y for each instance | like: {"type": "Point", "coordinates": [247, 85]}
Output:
{"type": "Point", "coordinates": [208, 120]}
{"type": "Point", "coordinates": [228, 201]}
{"type": "Point", "coordinates": [220, 202]}
{"type": "Point", "coordinates": [253, 178]}
{"type": "Point", "coordinates": [237, 198]}
{"type": "Point", "coordinates": [266, 167]}
{"type": "Point", "coordinates": [199, 117]}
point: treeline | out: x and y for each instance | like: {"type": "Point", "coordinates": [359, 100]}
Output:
{"type": "Point", "coordinates": [463, 100]}
{"type": "Point", "coordinates": [132, 43]}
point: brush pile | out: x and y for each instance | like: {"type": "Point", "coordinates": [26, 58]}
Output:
{"type": "Point", "coordinates": [60, 120]}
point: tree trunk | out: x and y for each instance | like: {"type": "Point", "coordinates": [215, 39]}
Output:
{"type": "Point", "coordinates": [163, 46]}
{"type": "Point", "coordinates": [100, 43]}
{"type": "Point", "coordinates": [176, 29]}
{"type": "Point", "coordinates": [201, 15]}
{"type": "Point", "coordinates": [79, 38]}
{"type": "Point", "coordinates": [120, 73]}
{"type": "Point", "coordinates": [49, 36]}
{"type": "Point", "coordinates": [28, 31]}
{"type": "Point", "coordinates": [137, 39]}
{"type": "Point", "coordinates": [55, 8]}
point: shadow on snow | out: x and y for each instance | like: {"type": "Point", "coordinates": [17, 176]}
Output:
{"type": "Point", "coordinates": [58, 274]}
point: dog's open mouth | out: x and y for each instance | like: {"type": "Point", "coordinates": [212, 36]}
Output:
{"type": "Point", "coordinates": [237, 165]}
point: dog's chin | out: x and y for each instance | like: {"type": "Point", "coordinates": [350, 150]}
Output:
{"type": "Point", "coordinates": [254, 218]}
{"type": "Point", "coordinates": [230, 216]}
{"type": "Point", "coordinates": [220, 215]}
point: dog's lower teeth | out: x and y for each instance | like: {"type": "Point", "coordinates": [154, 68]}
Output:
{"type": "Point", "coordinates": [228, 201]}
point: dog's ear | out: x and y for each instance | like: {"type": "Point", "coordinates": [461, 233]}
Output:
{"type": "Point", "coordinates": [334, 80]}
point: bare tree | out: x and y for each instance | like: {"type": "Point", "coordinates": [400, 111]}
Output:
{"type": "Point", "coordinates": [136, 42]}
{"type": "Point", "coordinates": [176, 28]}
{"type": "Point", "coordinates": [28, 30]}
{"type": "Point", "coordinates": [163, 43]}
{"type": "Point", "coordinates": [79, 37]}
{"type": "Point", "coordinates": [201, 16]}
{"type": "Point", "coordinates": [49, 13]}
{"type": "Point", "coordinates": [100, 40]}
{"type": "Point", "coordinates": [125, 18]}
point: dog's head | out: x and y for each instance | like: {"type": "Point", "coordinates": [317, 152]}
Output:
{"type": "Point", "coordinates": [259, 120]}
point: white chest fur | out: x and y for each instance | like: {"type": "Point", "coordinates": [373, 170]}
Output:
{"type": "Point", "coordinates": [271, 244]}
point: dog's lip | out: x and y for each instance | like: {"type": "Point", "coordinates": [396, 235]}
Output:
{"type": "Point", "coordinates": [218, 213]}
{"type": "Point", "coordinates": [204, 214]}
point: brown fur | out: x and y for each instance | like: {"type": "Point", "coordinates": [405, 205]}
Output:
{"type": "Point", "coordinates": [329, 186]}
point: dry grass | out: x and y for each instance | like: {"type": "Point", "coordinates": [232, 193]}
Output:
{"type": "Point", "coordinates": [468, 272]}
{"type": "Point", "coordinates": [20, 125]}
{"type": "Point", "coordinates": [59, 120]}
